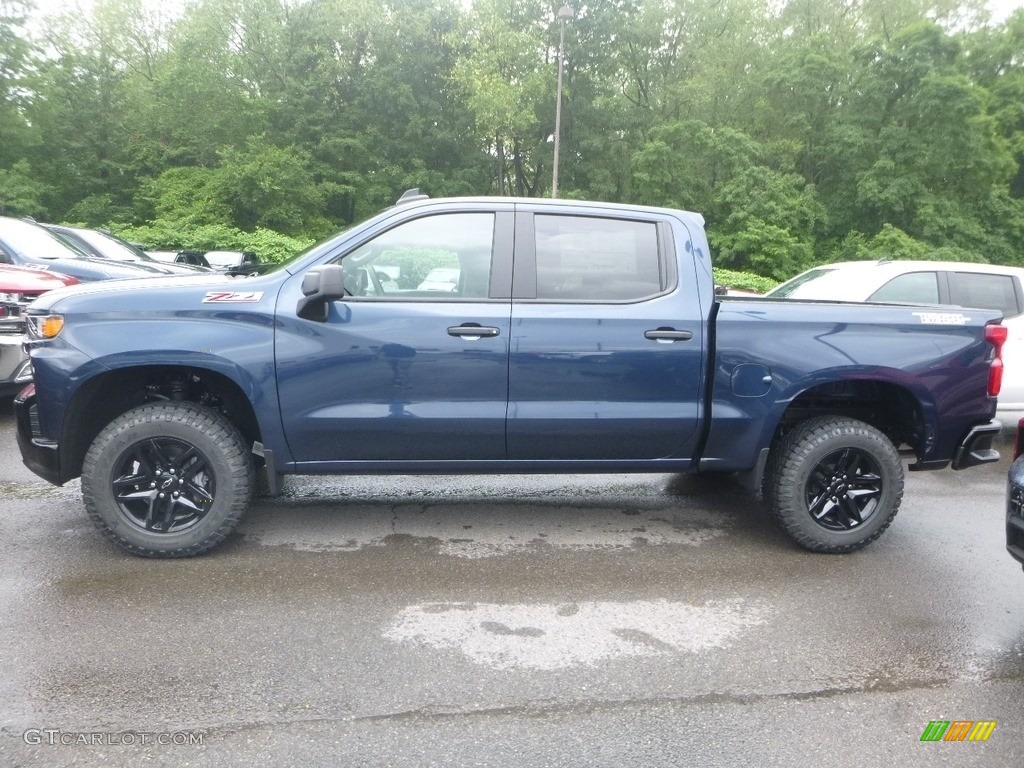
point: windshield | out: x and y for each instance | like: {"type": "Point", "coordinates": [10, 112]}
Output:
{"type": "Point", "coordinates": [32, 241]}
{"type": "Point", "coordinates": [110, 247]}
{"type": "Point", "coordinates": [791, 289]}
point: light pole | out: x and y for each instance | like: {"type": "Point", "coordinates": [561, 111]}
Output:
{"type": "Point", "coordinates": [564, 14]}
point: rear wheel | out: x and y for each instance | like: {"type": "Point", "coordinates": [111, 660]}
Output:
{"type": "Point", "coordinates": [836, 484]}
{"type": "Point", "coordinates": [167, 479]}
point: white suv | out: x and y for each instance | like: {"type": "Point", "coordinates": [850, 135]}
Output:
{"type": "Point", "coordinates": [985, 286]}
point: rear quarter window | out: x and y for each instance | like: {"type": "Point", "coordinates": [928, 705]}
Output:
{"type": "Point", "coordinates": [985, 291]}
{"type": "Point", "coordinates": [911, 288]}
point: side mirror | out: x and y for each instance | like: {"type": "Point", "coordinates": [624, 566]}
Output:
{"type": "Point", "coordinates": [320, 286]}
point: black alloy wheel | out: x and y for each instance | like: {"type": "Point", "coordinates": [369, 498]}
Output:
{"type": "Point", "coordinates": [163, 484]}
{"type": "Point", "coordinates": [844, 489]}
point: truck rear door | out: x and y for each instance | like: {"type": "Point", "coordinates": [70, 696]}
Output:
{"type": "Point", "coordinates": [607, 338]}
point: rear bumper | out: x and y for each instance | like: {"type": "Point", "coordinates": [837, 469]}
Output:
{"type": "Point", "coordinates": [976, 448]}
{"type": "Point", "coordinates": [40, 455]}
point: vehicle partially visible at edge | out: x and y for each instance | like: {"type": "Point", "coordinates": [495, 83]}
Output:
{"type": "Point", "coordinates": [27, 244]}
{"type": "Point", "coordinates": [1015, 499]}
{"type": "Point", "coordinates": [19, 287]}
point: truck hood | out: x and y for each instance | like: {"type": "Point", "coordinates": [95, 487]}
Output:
{"type": "Point", "coordinates": [156, 294]}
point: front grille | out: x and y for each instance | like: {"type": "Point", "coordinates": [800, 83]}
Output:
{"type": "Point", "coordinates": [12, 319]}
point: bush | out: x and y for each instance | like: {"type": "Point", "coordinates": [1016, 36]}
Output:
{"type": "Point", "coordinates": [268, 245]}
{"type": "Point", "coordinates": [743, 281]}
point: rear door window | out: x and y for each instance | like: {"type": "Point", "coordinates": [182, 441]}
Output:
{"type": "Point", "coordinates": [911, 288]}
{"type": "Point", "coordinates": [593, 259]}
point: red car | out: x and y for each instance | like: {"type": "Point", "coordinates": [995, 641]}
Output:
{"type": "Point", "coordinates": [19, 286]}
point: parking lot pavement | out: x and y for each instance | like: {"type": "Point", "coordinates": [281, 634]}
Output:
{"type": "Point", "coordinates": [528, 621]}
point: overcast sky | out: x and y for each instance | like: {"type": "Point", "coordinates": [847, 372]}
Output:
{"type": "Point", "coordinates": [1000, 8]}
{"type": "Point", "coordinates": [1003, 8]}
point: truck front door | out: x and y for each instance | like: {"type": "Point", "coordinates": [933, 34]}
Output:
{"type": "Point", "coordinates": [408, 367]}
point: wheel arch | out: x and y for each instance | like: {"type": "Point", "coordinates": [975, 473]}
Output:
{"type": "Point", "coordinates": [890, 407]}
{"type": "Point", "coordinates": [903, 415]}
{"type": "Point", "coordinates": [107, 395]}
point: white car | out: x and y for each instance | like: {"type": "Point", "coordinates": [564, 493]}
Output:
{"type": "Point", "coordinates": [962, 284]}
{"type": "Point", "coordinates": [441, 279]}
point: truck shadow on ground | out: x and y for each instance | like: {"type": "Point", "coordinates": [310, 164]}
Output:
{"type": "Point", "coordinates": [479, 518]}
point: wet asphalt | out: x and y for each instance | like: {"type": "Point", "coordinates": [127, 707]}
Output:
{"type": "Point", "coordinates": [645, 620]}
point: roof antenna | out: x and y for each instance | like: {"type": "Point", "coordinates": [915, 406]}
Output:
{"type": "Point", "coordinates": [411, 196]}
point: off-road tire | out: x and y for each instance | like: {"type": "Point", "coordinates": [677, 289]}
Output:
{"type": "Point", "coordinates": [167, 479]}
{"type": "Point", "coordinates": [835, 484]}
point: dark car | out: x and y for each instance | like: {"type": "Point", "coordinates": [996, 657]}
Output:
{"type": "Point", "coordinates": [103, 245]}
{"type": "Point", "coordinates": [233, 262]}
{"type": "Point", "coordinates": [1015, 499]}
{"type": "Point", "coordinates": [26, 244]}
{"type": "Point", "coordinates": [193, 258]}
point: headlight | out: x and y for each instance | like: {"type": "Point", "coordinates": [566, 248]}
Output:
{"type": "Point", "coordinates": [46, 326]}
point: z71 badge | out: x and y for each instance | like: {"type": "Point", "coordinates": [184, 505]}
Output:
{"type": "Point", "coordinates": [232, 297]}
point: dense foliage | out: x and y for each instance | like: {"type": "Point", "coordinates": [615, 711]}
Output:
{"type": "Point", "coordinates": [804, 131]}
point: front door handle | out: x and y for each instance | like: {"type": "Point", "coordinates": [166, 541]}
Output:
{"type": "Point", "coordinates": [472, 331]}
{"type": "Point", "coordinates": [667, 335]}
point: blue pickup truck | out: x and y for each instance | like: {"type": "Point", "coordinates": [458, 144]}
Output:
{"type": "Point", "coordinates": [569, 337]}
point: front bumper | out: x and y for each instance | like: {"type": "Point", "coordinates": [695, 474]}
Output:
{"type": "Point", "coordinates": [40, 455]}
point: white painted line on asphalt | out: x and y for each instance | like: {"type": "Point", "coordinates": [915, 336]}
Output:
{"type": "Point", "coordinates": [550, 636]}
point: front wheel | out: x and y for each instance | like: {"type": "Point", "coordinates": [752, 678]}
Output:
{"type": "Point", "coordinates": [836, 484]}
{"type": "Point", "coordinates": [167, 479]}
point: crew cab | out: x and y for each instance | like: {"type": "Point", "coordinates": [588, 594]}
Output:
{"type": "Point", "coordinates": [577, 337]}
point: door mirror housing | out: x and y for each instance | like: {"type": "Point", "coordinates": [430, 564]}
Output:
{"type": "Point", "coordinates": [320, 286]}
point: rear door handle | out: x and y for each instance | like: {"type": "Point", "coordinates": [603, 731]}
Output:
{"type": "Point", "coordinates": [667, 335]}
{"type": "Point", "coordinates": [472, 331]}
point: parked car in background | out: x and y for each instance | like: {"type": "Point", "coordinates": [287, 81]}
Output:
{"type": "Point", "coordinates": [26, 244]}
{"type": "Point", "coordinates": [444, 279]}
{"type": "Point", "coordinates": [1015, 499]}
{"type": "Point", "coordinates": [192, 258]}
{"type": "Point", "coordinates": [19, 287]}
{"type": "Point", "coordinates": [103, 245]}
{"type": "Point", "coordinates": [960, 284]}
{"type": "Point", "coordinates": [233, 262]}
